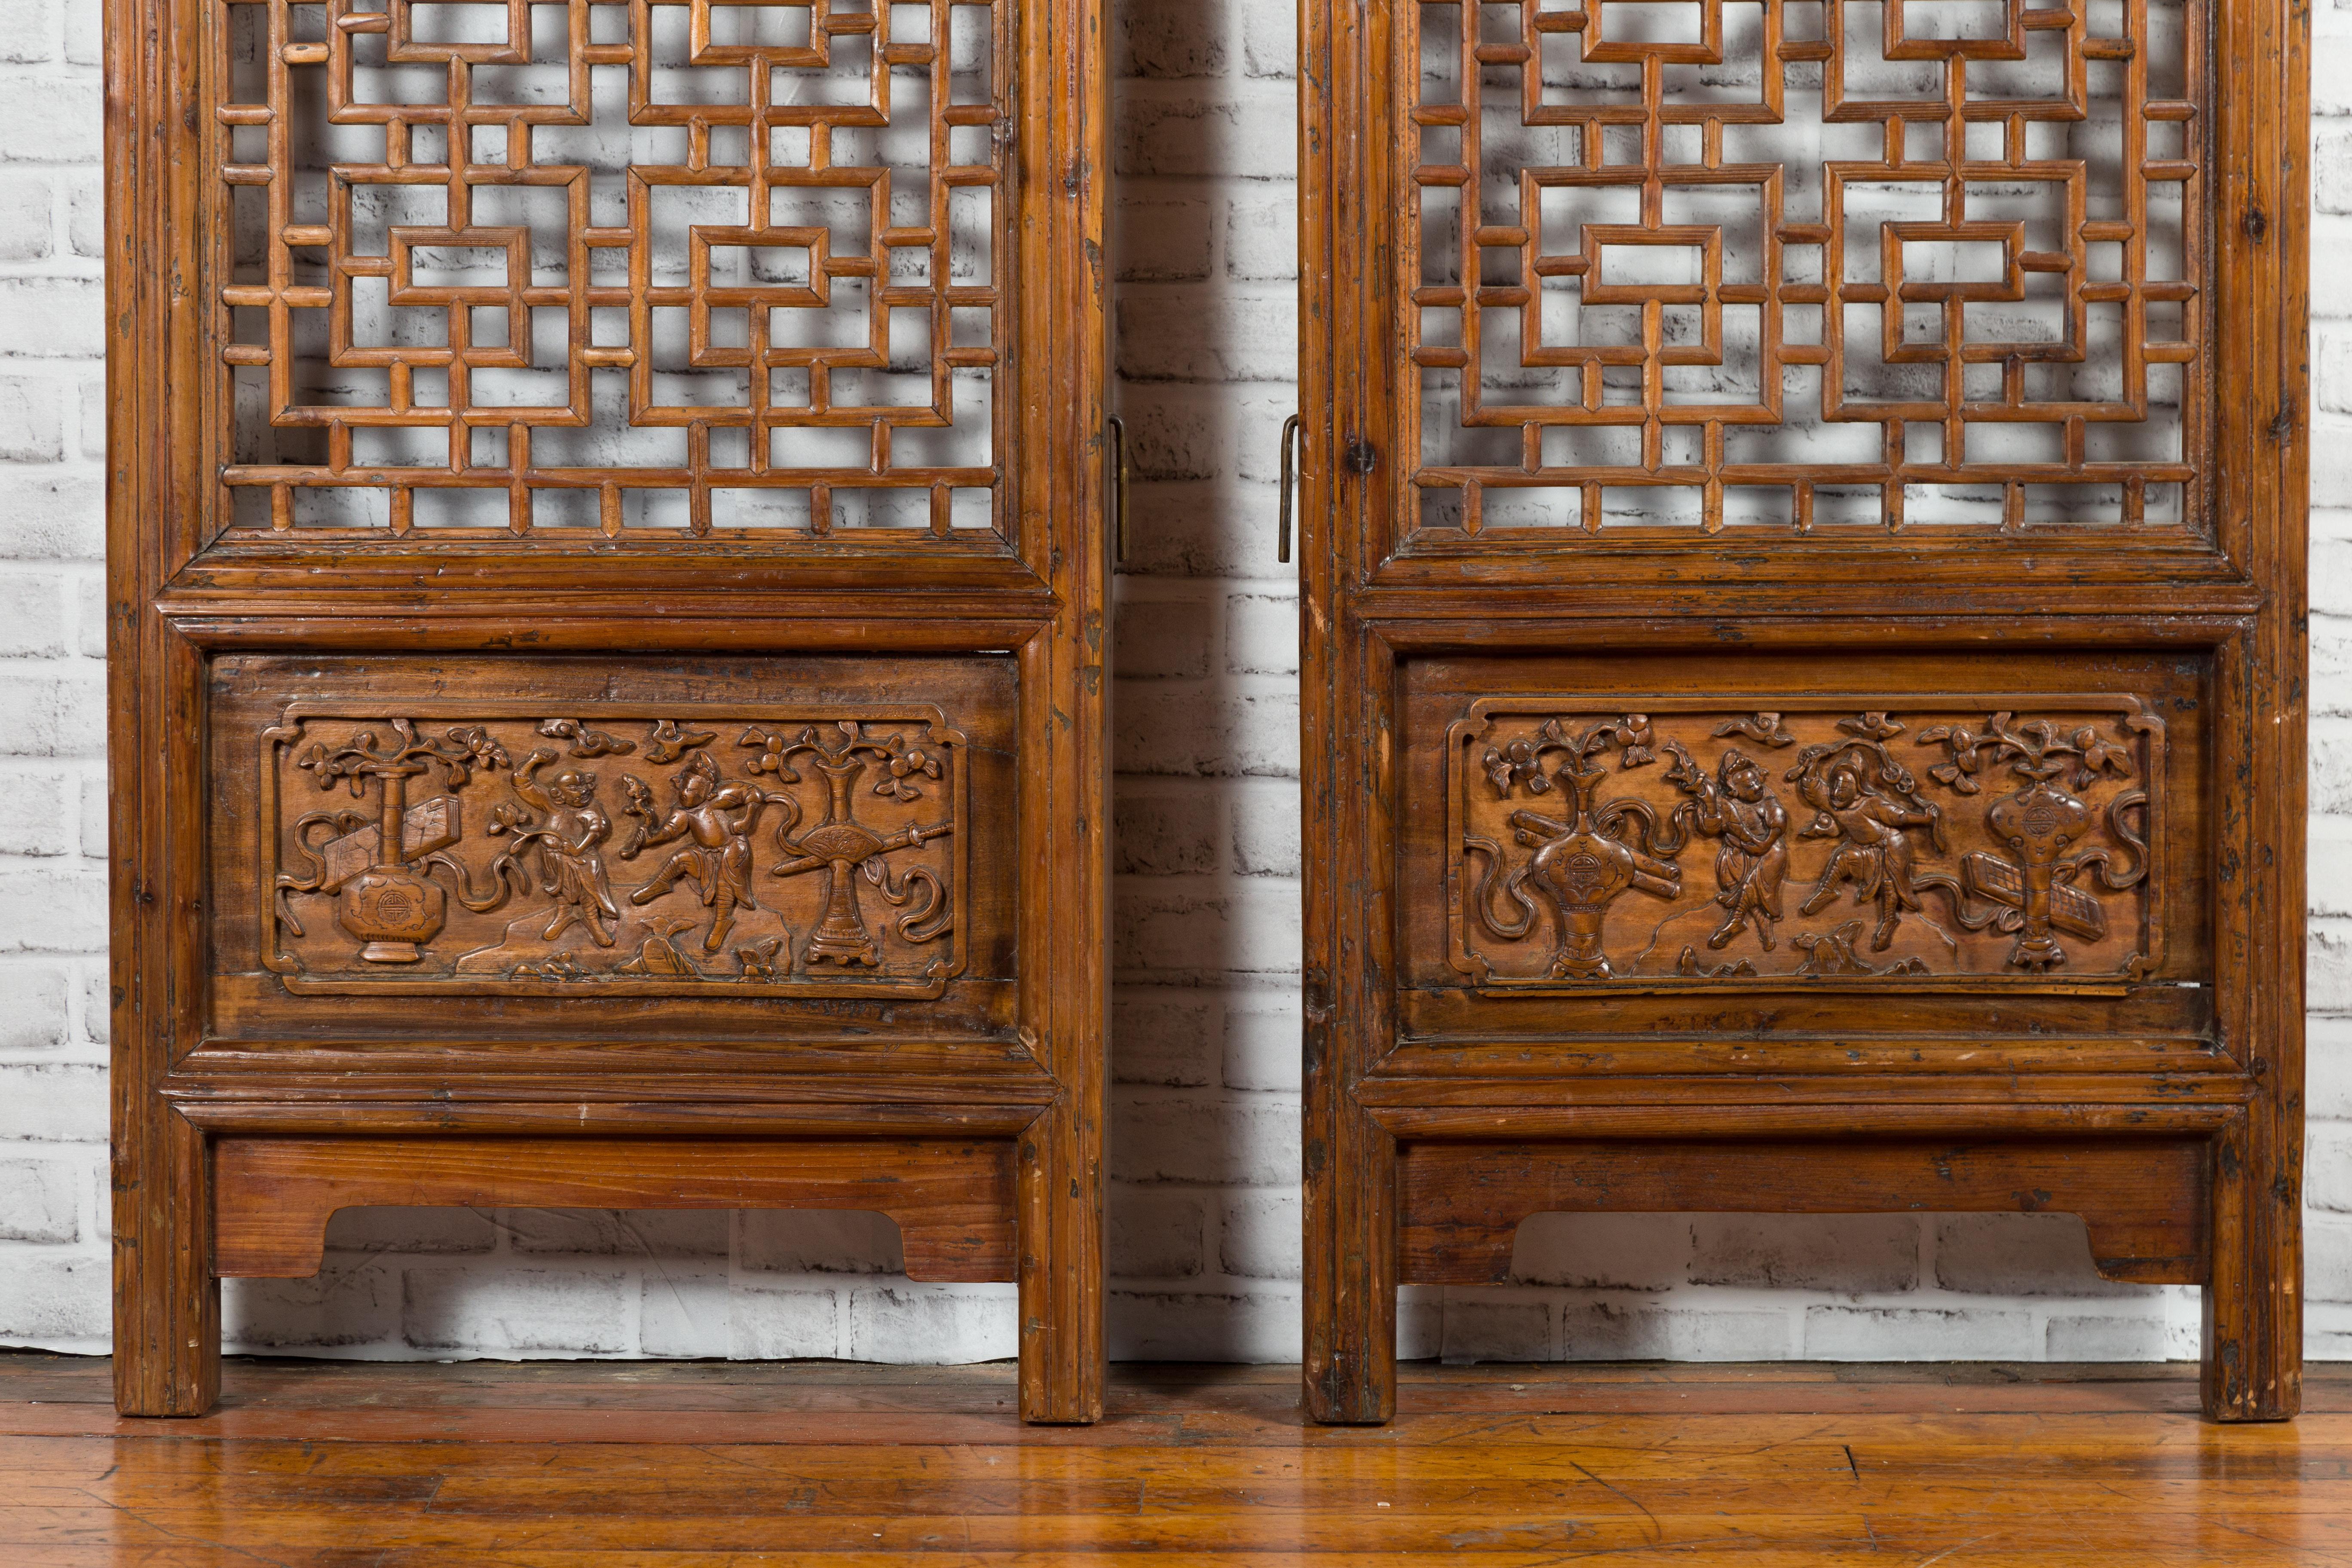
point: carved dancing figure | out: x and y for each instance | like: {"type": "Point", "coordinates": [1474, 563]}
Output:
{"type": "Point", "coordinates": [570, 859]}
{"type": "Point", "coordinates": [1752, 861]}
{"type": "Point", "coordinates": [1876, 852]}
{"type": "Point", "coordinates": [718, 814]}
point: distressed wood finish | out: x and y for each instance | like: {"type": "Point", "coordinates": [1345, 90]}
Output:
{"type": "Point", "coordinates": [1707, 810]}
{"type": "Point", "coordinates": [607, 601]}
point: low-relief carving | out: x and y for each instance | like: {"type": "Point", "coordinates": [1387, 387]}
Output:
{"type": "Point", "coordinates": [2019, 849]}
{"type": "Point", "coordinates": [684, 871]}
{"type": "Point", "coordinates": [2034, 889]}
{"type": "Point", "coordinates": [1581, 863]}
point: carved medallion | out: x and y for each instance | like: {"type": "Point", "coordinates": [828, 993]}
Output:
{"type": "Point", "coordinates": [1926, 840]}
{"type": "Point", "coordinates": [613, 848]}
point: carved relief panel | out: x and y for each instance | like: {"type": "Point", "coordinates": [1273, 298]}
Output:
{"type": "Point", "coordinates": [1984, 844]}
{"type": "Point", "coordinates": [755, 831]}
{"type": "Point", "coordinates": [1930, 842]}
{"type": "Point", "coordinates": [613, 850]}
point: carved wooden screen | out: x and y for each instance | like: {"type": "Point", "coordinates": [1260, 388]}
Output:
{"type": "Point", "coordinates": [1804, 571]}
{"type": "Point", "coordinates": [607, 608]}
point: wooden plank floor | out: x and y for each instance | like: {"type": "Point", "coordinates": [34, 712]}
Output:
{"type": "Point", "coordinates": [571, 1465]}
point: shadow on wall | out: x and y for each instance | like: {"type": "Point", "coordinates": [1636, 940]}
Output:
{"type": "Point", "coordinates": [1812, 1287]}
{"type": "Point", "coordinates": [1203, 1221]}
{"type": "Point", "coordinates": [457, 1284]}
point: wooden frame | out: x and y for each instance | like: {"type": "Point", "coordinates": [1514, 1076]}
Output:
{"type": "Point", "coordinates": [1457, 1077]}
{"type": "Point", "coordinates": [956, 1086]}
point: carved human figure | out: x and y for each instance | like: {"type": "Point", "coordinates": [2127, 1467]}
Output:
{"type": "Point", "coordinates": [716, 815]}
{"type": "Point", "coordinates": [1752, 859]}
{"type": "Point", "coordinates": [1877, 851]}
{"type": "Point", "coordinates": [571, 847]}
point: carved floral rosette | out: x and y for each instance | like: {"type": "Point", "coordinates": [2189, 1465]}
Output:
{"type": "Point", "coordinates": [613, 849]}
{"type": "Point", "coordinates": [1930, 841]}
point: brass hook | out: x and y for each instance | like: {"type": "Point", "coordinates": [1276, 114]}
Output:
{"type": "Point", "coordinates": [1289, 477]}
{"type": "Point", "coordinates": [1119, 489]}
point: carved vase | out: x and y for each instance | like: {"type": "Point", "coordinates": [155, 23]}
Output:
{"type": "Point", "coordinates": [2038, 824]}
{"type": "Point", "coordinates": [392, 912]}
{"type": "Point", "coordinates": [1582, 873]}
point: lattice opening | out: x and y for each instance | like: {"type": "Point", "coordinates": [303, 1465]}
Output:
{"type": "Point", "coordinates": [612, 265]}
{"type": "Point", "coordinates": [1902, 263]}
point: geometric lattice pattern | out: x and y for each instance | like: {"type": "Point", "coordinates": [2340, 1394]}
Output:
{"type": "Point", "coordinates": [611, 266]}
{"type": "Point", "coordinates": [1703, 263]}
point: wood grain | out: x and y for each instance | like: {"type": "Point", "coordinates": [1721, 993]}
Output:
{"type": "Point", "coordinates": [273, 1196]}
{"type": "Point", "coordinates": [1989, 1467]}
{"type": "Point", "coordinates": [2144, 1201]}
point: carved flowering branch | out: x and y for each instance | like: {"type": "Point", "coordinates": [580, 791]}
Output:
{"type": "Point", "coordinates": [2034, 749]}
{"type": "Point", "coordinates": [1520, 760]}
{"type": "Point", "coordinates": [775, 751]}
{"type": "Point", "coordinates": [2100, 755]}
{"type": "Point", "coordinates": [904, 764]}
{"type": "Point", "coordinates": [458, 752]}
{"type": "Point", "coordinates": [1967, 750]}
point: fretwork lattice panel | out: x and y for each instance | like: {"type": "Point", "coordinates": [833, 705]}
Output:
{"type": "Point", "coordinates": [612, 265]}
{"type": "Point", "coordinates": [1804, 262]}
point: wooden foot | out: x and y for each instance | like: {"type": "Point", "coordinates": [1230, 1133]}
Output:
{"type": "Point", "coordinates": [167, 1353]}
{"type": "Point", "coordinates": [2253, 1350]}
{"type": "Point", "coordinates": [1351, 1272]}
{"type": "Point", "coordinates": [1061, 1349]}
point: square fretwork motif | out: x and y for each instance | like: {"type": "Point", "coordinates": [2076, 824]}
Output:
{"type": "Point", "coordinates": [616, 266]}
{"type": "Point", "coordinates": [1803, 263]}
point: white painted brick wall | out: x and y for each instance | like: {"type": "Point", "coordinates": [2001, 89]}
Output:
{"type": "Point", "coordinates": [1204, 1199]}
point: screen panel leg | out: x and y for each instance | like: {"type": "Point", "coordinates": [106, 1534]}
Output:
{"type": "Point", "coordinates": [1061, 1347]}
{"type": "Point", "coordinates": [1352, 1266]}
{"type": "Point", "coordinates": [167, 1351]}
{"type": "Point", "coordinates": [2252, 1342]}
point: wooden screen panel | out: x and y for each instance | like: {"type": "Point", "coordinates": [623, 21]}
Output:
{"type": "Point", "coordinates": [602, 649]}
{"type": "Point", "coordinates": [610, 267]}
{"type": "Point", "coordinates": [1804, 577]}
{"type": "Point", "coordinates": [1714, 263]}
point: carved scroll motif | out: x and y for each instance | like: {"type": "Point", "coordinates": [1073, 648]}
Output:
{"type": "Point", "coordinates": [673, 863]}
{"type": "Point", "coordinates": [1925, 842]}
